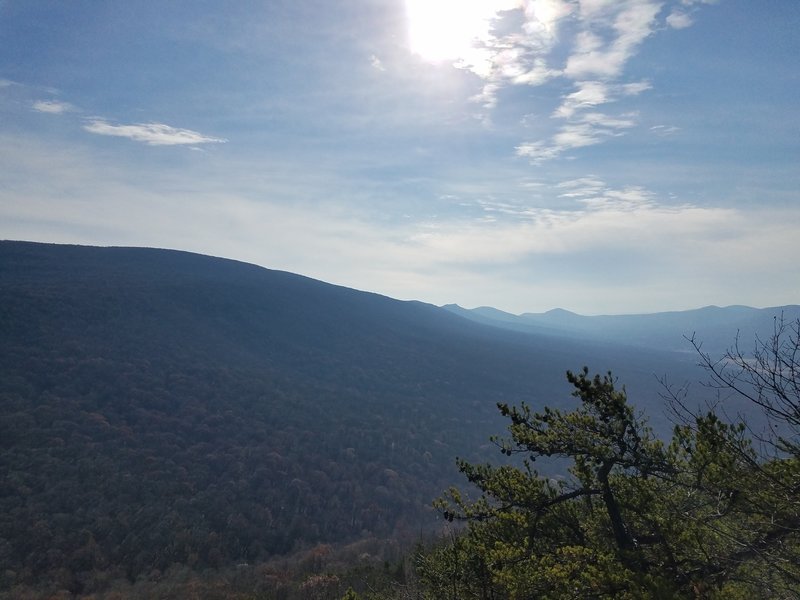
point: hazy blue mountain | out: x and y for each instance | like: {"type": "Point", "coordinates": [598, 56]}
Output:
{"type": "Point", "coordinates": [161, 407]}
{"type": "Point", "coordinates": [714, 327]}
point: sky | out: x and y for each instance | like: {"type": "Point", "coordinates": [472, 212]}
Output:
{"type": "Point", "coordinates": [602, 156]}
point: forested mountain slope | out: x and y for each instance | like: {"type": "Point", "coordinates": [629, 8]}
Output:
{"type": "Point", "coordinates": [161, 407]}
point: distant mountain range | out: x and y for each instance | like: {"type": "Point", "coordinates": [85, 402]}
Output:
{"type": "Point", "coordinates": [160, 407]}
{"type": "Point", "coordinates": [713, 327]}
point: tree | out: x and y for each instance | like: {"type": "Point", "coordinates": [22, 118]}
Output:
{"type": "Point", "coordinates": [767, 509]}
{"type": "Point", "coordinates": [350, 594]}
{"type": "Point", "coordinates": [635, 518]}
{"type": "Point", "coordinates": [588, 532]}
{"type": "Point", "coordinates": [768, 377]}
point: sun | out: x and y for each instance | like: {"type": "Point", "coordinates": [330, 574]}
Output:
{"type": "Point", "coordinates": [451, 30]}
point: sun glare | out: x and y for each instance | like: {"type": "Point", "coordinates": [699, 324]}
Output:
{"type": "Point", "coordinates": [451, 30]}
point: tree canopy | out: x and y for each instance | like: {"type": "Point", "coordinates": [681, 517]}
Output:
{"type": "Point", "coordinates": [713, 513]}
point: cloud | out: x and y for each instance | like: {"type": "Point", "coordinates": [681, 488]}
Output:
{"type": "Point", "coordinates": [53, 107]}
{"type": "Point", "coordinates": [599, 36]}
{"type": "Point", "coordinates": [589, 94]}
{"type": "Point", "coordinates": [537, 73]}
{"type": "Point", "coordinates": [635, 88]}
{"type": "Point", "coordinates": [543, 17]}
{"type": "Point", "coordinates": [582, 243]}
{"type": "Point", "coordinates": [376, 63]}
{"type": "Point", "coordinates": [537, 151]}
{"type": "Point", "coordinates": [518, 56]}
{"type": "Point", "coordinates": [630, 23]}
{"type": "Point", "coordinates": [587, 129]}
{"type": "Point", "coordinates": [679, 20]}
{"type": "Point", "coordinates": [613, 249]}
{"type": "Point", "coordinates": [576, 135]}
{"type": "Point", "coordinates": [605, 122]}
{"type": "Point", "coordinates": [487, 97]}
{"type": "Point", "coordinates": [627, 199]}
{"type": "Point", "coordinates": [152, 134]}
{"type": "Point", "coordinates": [608, 259]}
{"type": "Point", "coordinates": [594, 93]}
{"type": "Point", "coordinates": [611, 32]}
{"type": "Point", "coordinates": [626, 219]}
{"type": "Point", "coordinates": [507, 49]}
{"type": "Point", "coordinates": [664, 130]}
{"type": "Point", "coordinates": [585, 126]}
{"type": "Point", "coordinates": [594, 194]}
{"type": "Point", "coordinates": [581, 187]}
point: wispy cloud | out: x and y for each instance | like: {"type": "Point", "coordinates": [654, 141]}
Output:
{"type": "Point", "coordinates": [601, 121]}
{"type": "Point", "coordinates": [583, 186]}
{"type": "Point", "coordinates": [588, 94]}
{"type": "Point", "coordinates": [612, 31]}
{"type": "Point", "coordinates": [594, 93]}
{"type": "Point", "coordinates": [376, 63]}
{"type": "Point", "coordinates": [681, 17]}
{"type": "Point", "coordinates": [579, 196]}
{"type": "Point", "coordinates": [626, 250]}
{"type": "Point", "coordinates": [609, 34]}
{"type": "Point", "coordinates": [585, 130]}
{"type": "Point", "coordinates": [594, 194]}
{"type": "Point", "coordinates": [604, 56]}
{"type": "Point", "coordinates": [53, 107]}
{"type": "Point", "coordinates": [576, 135]}
{"type": "Point", "coordinates": [627, 218]}
{"type": "Point", "coordinates": [599, 36]}
{"type": "Point", "coordinates": [664, 130]}
{"type": "Point", "coordinates": [585, 126]}
{"type": "Point", "coordinates": [582, 243]}
{"type": "Point", "coordinates": [537, 151]}
{"type": "Point", "coordinates": [693, 2]}
{"type": "Point", "coordinates": [678, 19]}
{"type": "Point", "coordinates": [487, 97]}
{"type": "Point", "coordinates": [152, 134]}
{"type": "Point", "coordinates": [507, 50]}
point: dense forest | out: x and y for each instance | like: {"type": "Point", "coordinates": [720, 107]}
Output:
{"type": "Point", "coordinates": [173, 425]}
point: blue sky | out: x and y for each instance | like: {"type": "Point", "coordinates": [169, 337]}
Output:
{"type": "Point", "coordinates": [603, 156]}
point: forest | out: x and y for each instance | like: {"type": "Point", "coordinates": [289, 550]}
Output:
{"type": "Point", "coordinates": [177, 426]}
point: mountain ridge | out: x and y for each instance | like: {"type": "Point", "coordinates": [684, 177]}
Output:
{"type": "Point", "coordinates": [712, 326]}
{"type": "Point", "coordinates": [161, 407]}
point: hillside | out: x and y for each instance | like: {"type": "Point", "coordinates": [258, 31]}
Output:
{"type": "Point", "coordinates": [160, 407]}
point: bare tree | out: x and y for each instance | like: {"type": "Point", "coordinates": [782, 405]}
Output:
{"type": "Point", "coordinates": [768, 377]}
{"type": "Point", "coordinates": [766, 380]}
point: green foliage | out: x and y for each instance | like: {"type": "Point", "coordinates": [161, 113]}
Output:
{"type": "Point", "coordinates": [703, 517]}
{"type": "Point", "coordinates": [350, 595]}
